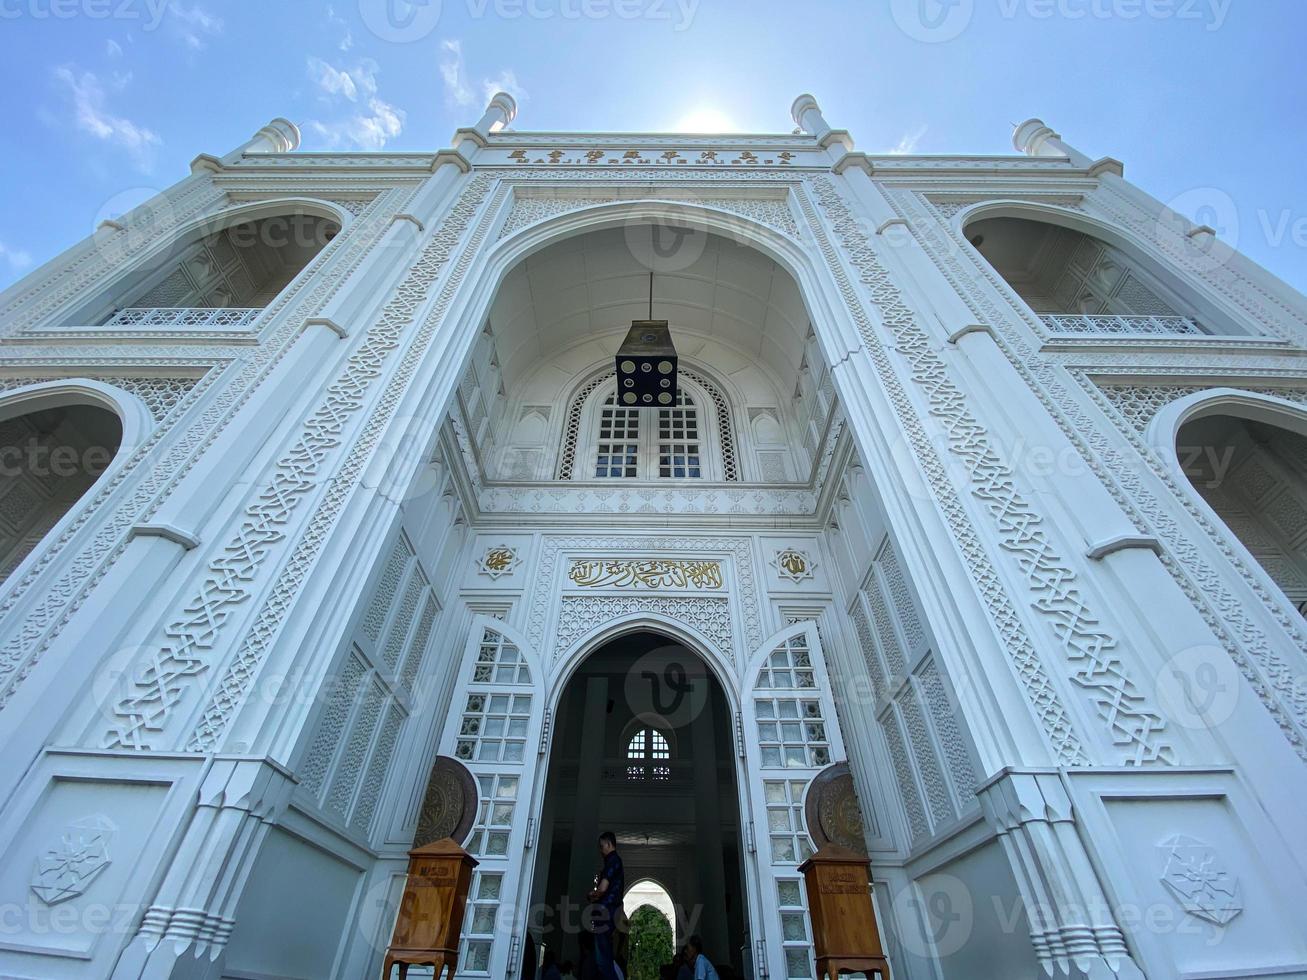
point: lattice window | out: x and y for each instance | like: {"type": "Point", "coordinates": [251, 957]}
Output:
{"type": "Point", "coordinates": [483, 906]}
{"type": "Point", "coordinates": [619, 440]}
{"type": "Point", "coordinates": [494, 819]}
{"type": "Point", "coordinates": [499, 661]}
{"type": "Point", "coordinates": [792, 733]}
{"type": "Point", "coordinates": [789, 667]}
{"type": "Point", "coordinates": [648, 755]}
{"type": "Point", "coordinates": [574, 423]}
{"type": "Point", "coordinates": [493, 728]}
{"type": "Point", "coordinates": [678, 438]}
{"type": "Point", "coordinates": [794, 929]}
{"type": "Point", "coordinates": [790, 843]}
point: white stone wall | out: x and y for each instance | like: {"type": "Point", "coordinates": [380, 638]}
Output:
{"type": "Point", "coordinates": [1016, 586]}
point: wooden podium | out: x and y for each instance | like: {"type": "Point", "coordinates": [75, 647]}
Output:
{"type": "Point", "coordinates": [844, 934]}
{"type": "Point", "coordinates": [431, 910]}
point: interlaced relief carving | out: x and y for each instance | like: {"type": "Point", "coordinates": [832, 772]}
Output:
{"type": "Point", "coordinates": [160, 395]}
{"type": "Point", "coordinates": [1135, 727]}
{"type": "Point", "coordinates": [395, 322]}
{"type": "Point", "coordinates": [1260, 660]}
{"type": "Point", "coordinates": [1039, 689]}
{"type": "Point", "coordinates": [710, 615]}
{"type": "Point", "coordinates": [160, 684]}
{"type": "Point", "coordinates": [27, 640]}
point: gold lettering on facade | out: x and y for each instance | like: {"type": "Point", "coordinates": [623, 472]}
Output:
{"type": "Point", "coordinates": [498, 559]}
{"type": "Point", "coordinates": [649, 573]}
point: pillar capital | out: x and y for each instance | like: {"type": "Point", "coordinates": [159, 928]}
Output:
{"type": "Point", "coordinates": [807, 116]}
{"type": "Point", "coordinates": [501, 111]}
{"type": "Point", "coordinates": [278, 136]}
{"type": "Point", "coordinates": [1035, 138]}
{"type": "Point", "coordinates": [1031, 136]}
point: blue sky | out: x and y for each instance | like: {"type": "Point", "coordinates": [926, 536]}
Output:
{"type": "Point", "coordinates": [104, 100]}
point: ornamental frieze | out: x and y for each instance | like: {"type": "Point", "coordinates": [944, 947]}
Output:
{"type": "Point", "coordinates": [646, 573]}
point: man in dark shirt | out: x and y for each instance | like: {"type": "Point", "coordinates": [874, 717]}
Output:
{"type": "Point", "coordinates": [607, 895]}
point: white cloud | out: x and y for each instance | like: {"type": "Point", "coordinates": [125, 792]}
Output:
{"type": "Point", "coordinates": [16, 258]}
{"type": "Point", "coordinates": [346, 82]}
{"type": "Point", "coordinates": [908, 143]}
{"type": "Point", "coordinates": [338, 22]}
{"type": "Point", "coordinates": [113, 49]}
{"type": "Point", "coordinates": [91, 114]}
{"type": "Point", "coordinates": [459, 91]}
{"type": "Point", "coordinates": [370, 121]}
{"type": "Point", "coordinates": [192, 24]}
{"type": "Point", "coordinates": [370, 130]}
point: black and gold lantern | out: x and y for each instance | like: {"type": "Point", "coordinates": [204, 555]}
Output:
{"type": "Point", "coordinates": [646, 363]}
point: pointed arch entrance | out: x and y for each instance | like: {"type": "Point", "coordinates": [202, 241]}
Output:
{"type": "Point", "coordinates": [676, 810]}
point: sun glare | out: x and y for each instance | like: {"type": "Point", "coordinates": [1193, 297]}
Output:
{"type": "Point", "coordinates": [705, 119]}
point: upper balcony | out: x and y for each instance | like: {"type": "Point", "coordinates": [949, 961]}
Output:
{"type": "Point", "coordinates": [1082, 287]}
{"type": "Point", "coordinates": [213, 282]}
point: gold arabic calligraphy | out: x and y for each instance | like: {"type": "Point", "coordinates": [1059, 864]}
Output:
{"type": "Point", "coordinates": [651, 573]}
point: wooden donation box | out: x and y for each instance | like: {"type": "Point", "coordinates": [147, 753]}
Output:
{"type": "Point", "coordinates": [844, 934]}
{"type": "Point", "coordinates": [431, 910]}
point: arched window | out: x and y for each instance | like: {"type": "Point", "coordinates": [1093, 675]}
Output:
{"type": "Point", "coordinates": [48, 459]}
{"type": "Point", "coordinates": [222, 279]}
{"type": "Point", "coordinates": [1079, 284]}
{"type": "Point", "coordinates": [648, 755]}
{"type": "Point", "coordinates": [1253, 474]}
{"type": "Point", "coordinates": [693, 439]}
{"type": "Point", "coordinates": [664, 443]}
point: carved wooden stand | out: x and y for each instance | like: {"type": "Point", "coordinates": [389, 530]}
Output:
{"type": "Point", "coordinates": [431, 910]}
{"type": "Point", "coordinates": [844, 933]}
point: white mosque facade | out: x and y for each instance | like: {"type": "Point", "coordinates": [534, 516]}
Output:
{"type": "Point", "coordinates": [971, 535]}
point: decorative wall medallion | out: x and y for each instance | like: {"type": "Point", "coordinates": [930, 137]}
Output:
{"type": "Point", "coordinates": [1194, 875]}
{"type": "Point", "coordinates": [648, 573]}
{"type": "Point", "coordinates": [450, 803]}
{"type": "Point", "coordinates": [499, 560]}
{"type": "Point", "coordinates": [66, 870]}
{"type": "Point", "coordinates": [832, 810]}
{"type": "Point", "coordinates": [793, 564]}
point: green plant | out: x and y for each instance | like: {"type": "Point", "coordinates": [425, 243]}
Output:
{"type": "Point", "coordinates": [649, 945]}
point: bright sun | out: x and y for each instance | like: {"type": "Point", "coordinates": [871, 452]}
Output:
{"type": "Point", "coordinates": [705, 119]}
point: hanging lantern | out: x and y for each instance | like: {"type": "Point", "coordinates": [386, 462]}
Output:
{"type": "Point", "coordinates": [646, 363]}
{"type": "Point", "coordinates": [646, 366]}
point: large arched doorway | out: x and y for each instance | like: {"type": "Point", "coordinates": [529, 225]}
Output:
{"type": "Point", "coordinates": [1253, 474]}
{"type": "Point", "coordinates": [49, 457]}
{"type": "Point", "coordinates": [643, 747]}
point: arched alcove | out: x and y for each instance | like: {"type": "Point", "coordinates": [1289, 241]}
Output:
{"type": "Point", "coordinates": [1253, 474]}
{"type": "Point", "coordinates": [220, 273]}
{"type": "Point", "coordinates": [50, 455]}
{"type": "Point", "coordinates": [1079, 282]}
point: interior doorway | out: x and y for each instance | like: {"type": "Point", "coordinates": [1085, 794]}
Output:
{"type": "Point", "coordinates": [643, 747]}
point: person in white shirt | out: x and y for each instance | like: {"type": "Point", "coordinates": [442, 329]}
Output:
{"type": "Point", "coordinates": [703, 968]}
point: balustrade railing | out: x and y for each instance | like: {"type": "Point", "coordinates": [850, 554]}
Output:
{"type": "Point", "coordinates": [184, 316]}
{"type": "Point", "coordinates": [1131, 326]}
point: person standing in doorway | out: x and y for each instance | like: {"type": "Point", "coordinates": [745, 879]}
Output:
{"type": "Point", "coordinates": [700, 964]}
{"type": "Point", "coordinates": [607, 896]}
